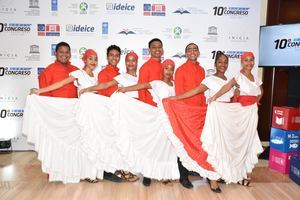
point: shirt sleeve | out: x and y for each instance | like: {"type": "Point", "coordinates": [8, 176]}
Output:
{"type": "Point", "coordinates": [76, 74]}
{"type": "Point", "coordinates": [155, 85]}
{"type": "Point", "coordinates": [179, 82]}
{"type": "Point", "coordinates": [119, 79]}
{"type": "Point", "coordinates": [44, 81]}
{"type": "Point", "coordinates": [102, 78]}
{"type": "Point", "coordinates": [207, 82]}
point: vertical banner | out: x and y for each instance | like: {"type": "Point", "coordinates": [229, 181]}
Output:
{"type": "Point", "coordinates": [30, 29]}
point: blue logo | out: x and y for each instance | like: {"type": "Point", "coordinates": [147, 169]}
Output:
{"type": "Point", "coordinates": [104, 28]}
{"type": "Point", "coordinates": [40, 70]}
{"type": "Point", "coordinates": [54, 5]}
{"type": "Point", "coordinates": [145, 53]}
{"type": "Point", "coordinates": [53, 47]}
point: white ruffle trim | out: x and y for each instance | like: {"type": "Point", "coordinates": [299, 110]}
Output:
{"type": "Point", "coordinates": [187, 161]}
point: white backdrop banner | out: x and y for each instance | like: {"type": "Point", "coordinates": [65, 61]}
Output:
{"type": "Point", "coordinates": [30, 29]}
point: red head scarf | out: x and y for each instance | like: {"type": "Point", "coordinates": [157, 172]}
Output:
{"type": "Point", "coordinates": [247, 54]}
{"type": "Point", "coordinates": [168, 62]}
{"type": "Point", "coordinates": [89, 52]}
{"type": "Point", "coordinates": [131, 53]}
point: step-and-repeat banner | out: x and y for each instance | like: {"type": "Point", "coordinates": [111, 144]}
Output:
{"type": "Point", "coordinates": [30, 29]}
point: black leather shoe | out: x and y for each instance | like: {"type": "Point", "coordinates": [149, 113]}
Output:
{"type": "Point", "coordinates": [112, 177]}
{"type": "Point", "coordinates": [146, 181]}
{"type": "Point", "coordinates": [221, 181]}
{"type": "Point", "coordinates": [216, 190]}
{"type": "Point", "coordinates": [192, 173]}
{"type": "Point", "coordinates": [186, 183]}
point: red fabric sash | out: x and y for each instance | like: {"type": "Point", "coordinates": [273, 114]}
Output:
{"type": "Point", "coordinates": [246, 100]}
{"type": "Point", "coordinates": [187, 123]}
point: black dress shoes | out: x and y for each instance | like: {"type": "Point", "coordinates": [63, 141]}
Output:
{"type": "Point", "coordinates": [185, 182]}
{"type": "Point", "coordinates": [146, 181]}
{"type": "Point", "coordinates": [112, 177]}
{"type": "Point", "coordinates": [216, 190]}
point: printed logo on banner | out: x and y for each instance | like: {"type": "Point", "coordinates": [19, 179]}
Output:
{"type": "Point", "coordinates": [189, 10]}
{"type": "Point", "coordinates": [182, 11]}
{"type": "Point", "coordinates": [34, 53]}
{"type": "Point", "coordinates": [154, 9]}
{"type": "Point", "coordinates": [54, 7]}
{"type": "Point", "coordinates": [212, 34]}
{"type": "Point", "coordinates": [125, 51]}
{"type": "Point", "coordinates": [8, 99]}
{"type": "Point", "coordinates": [15, 28]}
{"type": "Point", "coordinates": [126, 32]}
{"type": "Point", "coordinates": [8, 55]}
{"type": "Point", "coordinates": [34, 9]}
{"type": "Point", "coordinates": [83, 8]}
{"type": "Point", "coordinates": [15, 72]}
{"type": "Point", "coordinates": [120, 8]}
{"type": "Point", "coordinates": [232, 11]}
{"type": "Point", "coordinates": [179, 55]}
{"type": "Point", "coordinates": [81, 51]}
{"type": "Point", "coordinates": [212, 30]}
{"type": "Point", "coordinates": [238, 37]}
{"type": "Point", "coordinates": [177, 32]}
{"type": "Point", "coordinates": [104, 28]}
{"type": "Point", "coordinates": [75, 29]}
{"type": "Point", "coordinates": [48, 29]}
{"type": "Point", "coordinates": [5, 9]}
{"type": "Point", "coordinates": [232, 55]}
{"type": "Point", "coordinates": [136, 30]}
{"type": "Point", "coordinates": [287, 43]}
{"type": "Point", "coordinates": [210, 72]}
{"type": "Point", "coordinates": [145, 53]}
{"type": "Point", "coordinates": [33, 3]}
{"type": "Point", "coordinates": [53, 47]}
{"type": "Point", "coordinates": [11, 113]}
{"type": "Point", "coordinates": [40, 70]}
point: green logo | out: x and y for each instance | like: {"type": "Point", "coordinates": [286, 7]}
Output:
{"type": "Point", "coordinates": [82, 51]}
{"type": "Point", "coordinates": [83, 8]}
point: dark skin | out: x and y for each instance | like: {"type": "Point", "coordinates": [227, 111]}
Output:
{"type": "Point", "coordinates": [156, 50]}
{"type": "Point", "coordinates": [192, 52]}
{"type": "Point", "coordinates": [63, 55]}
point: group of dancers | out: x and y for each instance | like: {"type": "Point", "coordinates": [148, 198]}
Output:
{"type": "Point", "coordinates": [128, 123]}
